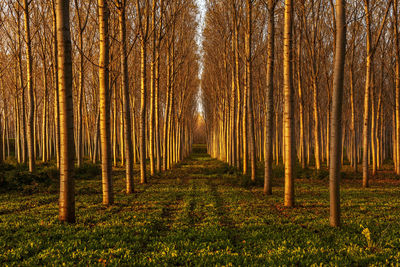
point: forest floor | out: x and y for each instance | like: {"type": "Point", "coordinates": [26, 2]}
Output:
{"type": "Point", "coordinates": [201, 213]}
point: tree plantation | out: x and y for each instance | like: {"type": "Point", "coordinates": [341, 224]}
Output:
{"type": "Point", "coordinates": [200, 132]}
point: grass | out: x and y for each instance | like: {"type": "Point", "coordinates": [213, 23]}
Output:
{"type": "Point", "coordinates": [202, 213]}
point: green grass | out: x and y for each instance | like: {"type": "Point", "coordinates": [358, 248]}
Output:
{"type": "Point", "coordinates": [201, 213]}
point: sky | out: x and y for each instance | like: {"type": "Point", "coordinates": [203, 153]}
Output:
{"type": "Point", "coordinates": [202, 12]}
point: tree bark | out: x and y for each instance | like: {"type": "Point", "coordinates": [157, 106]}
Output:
{"type": "Point", "coordinates": [29, 78]}
{"type": "Point", "coordinates": [336, 118]}
{"type": "Point", "coordinates": [105, 104]}
{"type": "Point", "coordinates": [249, 82]}
{"type": "Point", "coordinates": [67, 145]}
{"type": "Point", "coordinates": [397, 90]}
{"type": "Point", "coordinates": [126, 106]}
{"type": "Point", "coordinates": [269, 116]}
{"type": "Point", "coordinates": [288, 101]}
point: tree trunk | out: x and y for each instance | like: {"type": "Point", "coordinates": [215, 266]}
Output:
{"type": "Point", "coordinates": [316, 125]}
{"type": "Point", "coordinates": [269, 116]}
{"type": "Point", "coordinates": [81, 87]}
{"type": "Point", "coordinates": [249, 82]}
{"type": "Point", "coordinates": [152, 88]}
{"type": "Point", "coordinates": [288, 107]}
{"type": "Point", "coordinates": [105, 103]}
{"type": "Point", "coordinates": [56, 93]}
{"type": "Point", "coordinates": [29, 78]}
{"type": "Point", "coordinates": [397, 92]}
{"type": "Point", "coordinates": [301, 105]}
{"type": "Point", "coordinates": [336, 118]}
{"type": "Point", "coordinates": [67, 149]}
{"type": "Point", "coordinates": [126, 106]}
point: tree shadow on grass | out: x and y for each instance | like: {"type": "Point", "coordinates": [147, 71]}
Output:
{"type": "Point", "coordinates": [226, 223]}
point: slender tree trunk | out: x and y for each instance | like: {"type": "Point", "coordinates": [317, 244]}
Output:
{"type": "Point", "coordinates": [233, 144]}
{"type": "Point", "coordinates": [142, 123]}
{"type": "Point", "coordinates": [29, 78]}
{"type": "Point", "coordinates": [105, 103]}
{"type": "Point", "coordinates": [244, 121]}
{"type": "Point", "coordinates": [56, 91]}
{"type": "Point", "coordinates": [373, 126]}
{"type": "Point", "coordinates": [353, 126]}
{"type": "Point", "coordinates": [157, 112]}
{"type": "Point", "coordinates": [67, 191]}
{"type": "Point", "coordinates": [249, 82]}
{"type": "Point", "coordinates": [301, 105]}
{"type": "Point", "coordinates": [114, 125]}
{"type": "Point", "coordinates": [17, 143]}
{"type": "Point", "coordinates": [397, 90]}
{"type": "Point", "coordinates": [166, 113]}
{"type": "Point", "coordinates": [288, 107]}
{"type": "Point", "coordinates": [81, 86]}
{"type": "Point", "coordinates": [336, 118]}
{"type": "Point", "coordinates": [237, 66]}
{"type": "Point", "coordinates": [126, 106]}
{"type": "Point", "coordinates": [269, 116]}
{"type": "Point", "coordinates": [316, 126]}
{"type": "Point", "coordinates": [21, 124]}
{"type": "Point", "coordinates": [45, 134]}
{"type": "Point", "coordinates": [121, 126]}
{"type": "Point", "coordinates": [152, 89]}
{"type": "Point", "coordinates": [366, 97]}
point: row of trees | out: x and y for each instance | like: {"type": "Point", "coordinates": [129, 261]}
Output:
{"type": "Point", "coordinates": [123, 89]}
{"type": "Point", "coordinates": [277, 96]}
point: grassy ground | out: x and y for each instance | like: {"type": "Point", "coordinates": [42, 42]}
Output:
{"type": "Point", "coordinates": [201, 213]}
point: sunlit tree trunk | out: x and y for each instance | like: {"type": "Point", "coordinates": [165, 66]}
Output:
{"type": "Point", "coordinates": [29, 81]}
{"type": "Point", "coordinates": [55, 77]}
{"type": "Point", "coordinates": [352, 106]}
{"type": "Point", "coordinates": [105, 104]}
{"type": "Point", "coordinates": [249, 85]}
{"type": "Point", "coordinates": [366, 105]}
{"type": "Point", "coordinates": [244, 120]}
{"type": "Point", "coordinates": [67, 146]}
{"type": "Point", "coordinates": [22, 136]}
{"type": "Point", "coordinates": [378, 125]}
{"type": "Point", "coordinates": [336, 118]}
{"type": "Point", "coordinates": [156, 109]}
{"type": "Point", "coordinates": [233, 104]}
{"type": "Point", "coordinates": [81, 28]}
{"type": "Point", "coordinates": [45, 134]}
{"type": "Point", "coordinates": [237, 78]}
{"type": "Point", "coordinates": [288, 104]}
{"type": "Point", "coordinates": [301, 104]}
{"type": "Point", "coordinates": [152, 89]}
{"type": "Point", "coordinates": [114, 125]}
{"type": "Point", "coordinates": [143, 29]}
{"type": "Point", "coordinates": [373, 127]}
{"type": "Point", "coordinates": [167, 107]}
{"type": "Point", "coordinates": [397, 90]}
{"type": "Point", "coordinates": [17, 144]}
{"type": "Point", "coordinates": [96, 147]}
{"type": "Point", "coordinates": [269, 116]}
{"type": "Point", "coordinates": [121, 126]}
{"type": "Point", "coordinates": [125, 94]}
{"type": "Point", "coordinates": [316, 126]}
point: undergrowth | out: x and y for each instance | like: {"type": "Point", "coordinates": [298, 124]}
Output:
{"type": "Point", "coordinates": [202, 212]}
